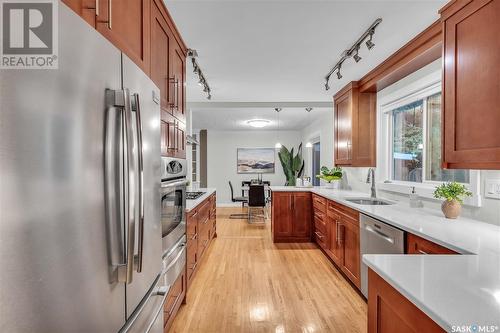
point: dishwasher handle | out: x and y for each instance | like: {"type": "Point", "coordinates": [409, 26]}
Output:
{"type": "Point", "coordinates": [379, 233]}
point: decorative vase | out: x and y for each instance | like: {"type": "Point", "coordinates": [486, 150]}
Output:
{"type": "Point", "coordinates": [329, 185]}
{"type": "Point", "coordinates": [451, 209]}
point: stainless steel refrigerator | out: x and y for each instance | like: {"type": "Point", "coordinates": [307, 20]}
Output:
{"type": "Point", "coordinates": [80, 232]}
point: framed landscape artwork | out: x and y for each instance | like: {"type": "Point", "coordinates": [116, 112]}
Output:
{"type": "Point", "coordinates": [255, 160]}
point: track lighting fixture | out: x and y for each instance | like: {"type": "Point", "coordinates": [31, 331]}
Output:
{"type": "Point", "coordinates": [202, 82]}
{"type": "Point", "coordinates": [308, 110]}
{"type": "Point", "coordinates": [278, 144]}
{"type": "Point", "coordinates": [353, 51]}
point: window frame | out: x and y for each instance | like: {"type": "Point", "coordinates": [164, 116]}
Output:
{"type": "Point", "coordinates": [418, 90]}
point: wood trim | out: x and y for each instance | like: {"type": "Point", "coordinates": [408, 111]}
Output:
{"type": "Point", "coordinates": [418, 52]}
{"type": "Point", "coordinates": [172, 26]}
{"type": "Point", "coordinates": [419, 245]}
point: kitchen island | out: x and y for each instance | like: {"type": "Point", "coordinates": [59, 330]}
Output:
{"type": "Point", "coordinates": [455, 291]}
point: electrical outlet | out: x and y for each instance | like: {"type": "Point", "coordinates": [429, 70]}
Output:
{"type": "Point", "coordinates": [492, 188]}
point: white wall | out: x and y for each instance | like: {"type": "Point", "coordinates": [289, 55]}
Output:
{"type": "Point", "coordinates": [221, 158]}
{"type": "Point", "coordinates": [321, 128]}
{"type": "Point", "coordinates": [356, 177]}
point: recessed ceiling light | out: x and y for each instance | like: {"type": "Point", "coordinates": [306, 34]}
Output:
{"type": "Point", "coordinates": [258, 123]}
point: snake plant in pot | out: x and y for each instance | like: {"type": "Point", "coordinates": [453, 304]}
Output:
{"type": "Point", "coordinates": [293, 165]}
{"type": "Point", "coordinates": [331, 176]}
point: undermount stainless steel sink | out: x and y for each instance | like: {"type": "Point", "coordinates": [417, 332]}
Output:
{"type": "Point", "coordinates": [369, 201]}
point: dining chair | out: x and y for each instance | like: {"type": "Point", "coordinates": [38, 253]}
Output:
{"type": "Point", "coordinates": [241, 199]}
{"type": "Point", "coordinates": [256, 199]}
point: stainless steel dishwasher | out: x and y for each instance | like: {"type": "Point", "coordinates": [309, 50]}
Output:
{"type": "Point", "coordinates": [377, 238]}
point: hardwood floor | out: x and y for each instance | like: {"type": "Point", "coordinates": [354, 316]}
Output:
{"type": "Point", "coordinates": [248, 284]}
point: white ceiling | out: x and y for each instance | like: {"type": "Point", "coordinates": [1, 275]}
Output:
{"type": "Point", "coordinates": [280, 51]}
{"type": "Point", "coordinates": [229, 117]}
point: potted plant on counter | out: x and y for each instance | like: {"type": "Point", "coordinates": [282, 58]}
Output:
{"type": "Point", "coordinates": [293, 165]}
{"type": "Point", "coordinates": [331, 176]}
{"type": "Point", "coordinates": [453, 193]}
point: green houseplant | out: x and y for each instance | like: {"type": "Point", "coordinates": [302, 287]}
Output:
{"type": "Point", "coordinates": [452, 193]}
{"type": "Point", "coordinates": [331, 176]}
{"type": "Point", "coordinates": [293, 165]}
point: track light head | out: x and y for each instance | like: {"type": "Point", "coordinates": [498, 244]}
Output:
{"type": "Point", "coordinates": [327, 87]}
{"type": "Point", "coordinates": [209, 97]}
{"type": "Point", "coordinates": [369, 43]}
{"type": "Point", "coordinates": [339, 76]}
{"type": "Point", "coordinates": [309, 109]}
{"type": "Point", "coordinates": [356, 57]}
{"type": "Point", "coordinates": [277, 109]}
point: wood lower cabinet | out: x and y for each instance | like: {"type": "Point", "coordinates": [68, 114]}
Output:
{"type": "Point", "coordinates": [471, 99]}
{"type": "Point", "coordinates": [355, 127]}
{"type": "Point", "coordinates": [291, 216]}
{"type": "Point", "coordinates": [174, 299]}
{"type": "Point", "coordinates": [419, 245]}
{"type": "Point", "coordinates": [391, 312]}
{"type": "Point", "coordinates": [126, 23]}
{"type": "Point", "coordinates": [343, 249]}
{"type": "Point", "coordinates": [201, 229]}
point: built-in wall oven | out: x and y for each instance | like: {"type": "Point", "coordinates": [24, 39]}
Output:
{"type": "Point", "coordinates": [173, 202]}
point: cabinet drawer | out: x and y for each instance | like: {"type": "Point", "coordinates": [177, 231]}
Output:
{"type": "Point", "coordinates": [335, 209]}
{"type": "Point", "coordinates": [204, 212]}
{"type": "Point", "coordinates": [191, 259]}
{"type": "Point", "coordinates": [418, 245]}
{"type": "Point", "coordinates": [321, 239]}
{"type": "Point", "coordinates": [174, 297]}
{"type": "Point", "coordinates": [192, 230]}
{"type": "Point", "coordinates": [320, 225]}
{"type": "Point", "coordinates": [319, 204]}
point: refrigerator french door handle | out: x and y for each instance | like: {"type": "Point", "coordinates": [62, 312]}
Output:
{"type": "Point", "coordinates": [129, 188]}
{"type": "Point", "coordinates": [140, 170]}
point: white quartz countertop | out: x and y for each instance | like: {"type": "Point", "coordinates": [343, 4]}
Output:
{"type": "Point", "coordinates": [458, 290]}
{"type": "Point", "coordinates": [191, 204]}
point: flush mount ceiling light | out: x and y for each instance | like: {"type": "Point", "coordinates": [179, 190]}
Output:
{"type": "Point", "coordinates": [258, 123]}
{"type": "Point", "coordinates": [308, 110]}
{"type": "Point", "coordinates": [202, 81]}
{"type": "Point", "coordinates": [353, 51]}
{"type": "Point", "coordinates": [278, 144]}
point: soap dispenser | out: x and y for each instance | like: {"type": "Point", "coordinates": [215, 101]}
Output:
{"type": "Point", "coordinates": [414, 199]}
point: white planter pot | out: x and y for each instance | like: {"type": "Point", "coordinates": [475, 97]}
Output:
{"type": "Point", "coordinates": [336, 184]}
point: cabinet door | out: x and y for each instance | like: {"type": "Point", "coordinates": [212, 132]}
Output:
{"type": "Point", "coordinates": [301, 223]}
{"type": "Point", "coordinates": [471, 99]}
{"type": "Point", "coordinates": [85, 8]}
{"type": "Point", "coordinates": [161, 38]}
{"type": "Point", "coordinates": [126, 23]}
{"type": "Point", "coordinates": [282, 215]}
{"type": "Point", "coordinates": [335, 248]}
{"type": "Point", "coordinates": [350, 240]}
{"type": "Point", "coordinates": [168, 134]}
{"type": "Point", "coordinates": [364, 119]}
{"type": "Point", "coordinates": [343, 129]}
{"type": "Point", "coordinates": [180, 144]}
{"type": "Point", "coordinates": [178, 79]}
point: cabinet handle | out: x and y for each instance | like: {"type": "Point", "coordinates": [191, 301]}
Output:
{"type": "Point", "coordinates": [195, 235]}
{"type": "Point", "coordinates": [96, 7]}
{"type": "Point", "coordinates": [109, 13]}
{"type": "Point", "coordinates": [422, 252]}
{"type": "Point", "coordinates": [194, 266]}
{"type": "Point", "coordinates": [319, 235]}
{"type": "Point", "coordinates": [337, 231]}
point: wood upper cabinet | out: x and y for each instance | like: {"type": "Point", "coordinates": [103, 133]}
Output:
{"type": "Point", "coordinates": [391, 312]}
{"type": "Point", "coordinates": [419, 245]}
{"type": "Point", "coordinates": [355, 127]}
{"type": "Point", "coordinates": [126, 23]}
{"type": "Point", "coordinates": [177, 82]}
{"type": "Point", "coordinates": [160, 59]}
{"type": "Point", "coordinates": [471, 85]}
{"type": "Point", "coordinates": [85, 8]}
{"type": "Point", "coordinates": [291, 217]}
